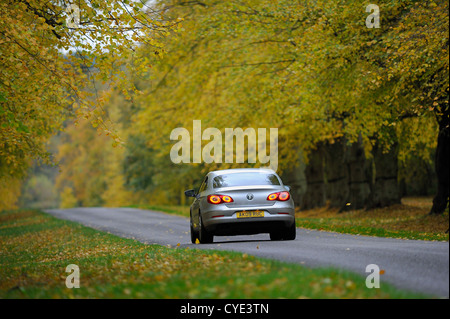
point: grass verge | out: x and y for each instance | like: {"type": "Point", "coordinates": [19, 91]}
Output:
{"type": "Point", "coordinates": [408, 220]}
{"type": "Point", "coordinates": [36, 248]}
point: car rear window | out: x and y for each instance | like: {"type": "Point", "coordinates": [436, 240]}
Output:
{"type": "Point", "coordinates": [245, 179]}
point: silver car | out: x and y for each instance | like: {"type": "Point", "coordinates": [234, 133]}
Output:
{"type": "Point", "coordinates": [241, 202]}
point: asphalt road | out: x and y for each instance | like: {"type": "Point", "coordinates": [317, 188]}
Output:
{"type": "Point", "coordinates": [415, 265]}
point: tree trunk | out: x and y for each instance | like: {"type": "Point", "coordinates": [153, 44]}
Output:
{"type": "Point", "coordinates": [315, 195]}
{"type": "Point", "coordinates": [337, 174]}
{"type": "Point", "coordinates": [360, 176]}
{"type": "Point", "coordinates": [385, 189]}
{"type": "Point", "coordinates": [442, 161]}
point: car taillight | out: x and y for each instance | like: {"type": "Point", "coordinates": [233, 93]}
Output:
{"type": "Point", "coordinates": [226, 199]}
{"type": "Point", "coordinates": [273, 196]}
{"type": "Point", "coordinates": [214, 199]}
{"type": "Point", "coordinates": [219, 199]}
{"type": "Point", "coordinates": [281, 196]}
{"type": "Point", "coordinates": [284, 196]}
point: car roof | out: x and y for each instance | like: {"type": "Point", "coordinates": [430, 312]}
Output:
{"type": "Point", "coordinates": [242, 170]}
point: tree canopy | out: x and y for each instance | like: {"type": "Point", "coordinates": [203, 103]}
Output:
{"type": "Point", "coordinates": [312, 69]}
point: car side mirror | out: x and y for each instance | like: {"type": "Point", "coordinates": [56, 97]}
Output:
{"type": "Point", "coordinates": [190, 193]}
{"type": "Point", "coordinates": [287, 187]}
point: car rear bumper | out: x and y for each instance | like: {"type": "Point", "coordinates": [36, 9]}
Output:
{"type": "Point", "coordinates": [224, 221]}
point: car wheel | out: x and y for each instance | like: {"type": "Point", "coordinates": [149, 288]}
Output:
{"type": "Point", "coordinates": [278, 235]}
{"type": "Point", "coordinates": [287, 234]}
{"type": "Point", "coordinates": [194, 234]}
{"type": "Point", "coordinates": [291, 232]}
{"type": "Point", "coordinates": [204, 236]}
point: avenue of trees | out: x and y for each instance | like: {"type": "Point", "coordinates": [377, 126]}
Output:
{"type": "Point", "coordinates": [362, 113]}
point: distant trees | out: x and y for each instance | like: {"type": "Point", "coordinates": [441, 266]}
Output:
{"type": "Point", "coordinates": [47, 53]}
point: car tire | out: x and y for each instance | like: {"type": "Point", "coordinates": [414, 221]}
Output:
{"type": "Point", "coordinates": [194, 234]}
{"type": "Point", "coordinates": [204, 237]}
{"type": "Point", "coordinates": [291, 232]}
{"type": "Point", "coordinates": [287, 234]}
{"type": "Point", "coordinates": [278, 235]}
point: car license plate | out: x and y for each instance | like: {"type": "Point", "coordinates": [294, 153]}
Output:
{"type": "Point", "coordinates": [250, 214]}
